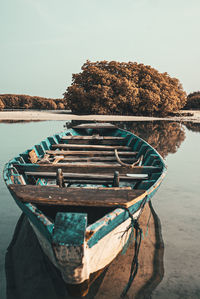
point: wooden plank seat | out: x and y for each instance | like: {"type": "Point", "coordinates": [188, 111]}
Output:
{"type": "Point", "coordinates": [85, 168]}
{"type": "Point", "coordinates": [89, 176]}
{"type": "Point", "coordinates": [94, 139]}
{"type": "Point", "coordinates": [99, 197]}
{"type": "Point", "coordinates": [96, 126]}
{"type": "Point", "coordinates": [91, 147]}
{"type": "Point", "coordinates": [89, 159]}
{"type": "Point", "coordinates": [91, 153]}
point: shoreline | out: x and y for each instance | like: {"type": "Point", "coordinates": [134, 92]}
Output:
{"type": "Point", "coordinates": [31, 115]}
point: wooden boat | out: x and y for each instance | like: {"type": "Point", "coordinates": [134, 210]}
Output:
{"type": "Point", "coordinates": [81, 190]}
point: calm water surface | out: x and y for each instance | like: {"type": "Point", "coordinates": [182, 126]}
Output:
{"type": "Point", "coordinates": [177, 202]}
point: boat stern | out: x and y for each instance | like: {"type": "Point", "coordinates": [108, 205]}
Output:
{"type": "Point", "coordinates": [68, 242]}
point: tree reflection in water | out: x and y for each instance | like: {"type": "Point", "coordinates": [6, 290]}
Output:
{"type": "Point", "coordinates": [165, 136]}
{"type": "Point", "coordinates": [194, 127]}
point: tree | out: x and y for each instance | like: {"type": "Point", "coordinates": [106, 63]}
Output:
{"type": "Point", "coordinates": [123, 88]}
{"type": "Point", "coordinates": [60, 106]}
{"type": "Point", "coordinates": [51, 105]}
{"type": "Point", "coordinates": [1, 105]}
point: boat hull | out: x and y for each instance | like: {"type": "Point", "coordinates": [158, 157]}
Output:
{"type": "Point", "coordinates": [90, 260]}
{"type": "Point", "coordinates": [73, 246]}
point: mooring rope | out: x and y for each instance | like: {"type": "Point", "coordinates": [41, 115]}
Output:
{"type": "Point", "coordinates": [138, 238]}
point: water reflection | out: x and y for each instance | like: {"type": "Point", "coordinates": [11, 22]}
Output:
{"type": "Point", "coordinates": [165, 136]}
{"type": "Point", "coordinates": [194, 127]}
{"type": "Point", "coordinates": [181, 229]}
{"type": "Point", "coordinates": [30, 275]}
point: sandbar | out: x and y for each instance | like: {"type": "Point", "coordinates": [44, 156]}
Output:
{"type": "Point", "coordinates": [35, 115]}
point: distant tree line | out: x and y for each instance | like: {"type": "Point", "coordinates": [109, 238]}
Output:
{"type": "Point", "coordinates": [116, 88]}
{"type": "Point", "coordinates": [14, 101]}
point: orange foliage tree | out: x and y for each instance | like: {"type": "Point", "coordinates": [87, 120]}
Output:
{"type": "Point", "coordinates": [123, 88]}
{"type": "Point", "coordinates": [1, 105]}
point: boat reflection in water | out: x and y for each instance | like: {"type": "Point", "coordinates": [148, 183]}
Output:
{"type": "Point", "coordinates": [30, 274]}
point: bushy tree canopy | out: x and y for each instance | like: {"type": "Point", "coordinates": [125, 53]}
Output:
{"type": "Point", "coordinates": [123, 88]}
{"type": "Point", "coordinates": [1, 105]}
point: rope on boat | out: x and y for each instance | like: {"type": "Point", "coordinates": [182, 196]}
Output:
{"type": "Point", "coordinates": [138, 238]}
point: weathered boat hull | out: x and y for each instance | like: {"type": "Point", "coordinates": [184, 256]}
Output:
{"type": "Point", "coordinates": [92, 259]}
{"type": "Point", "coordinates": [25, 259]}
{"type": "Point", "coordinates": [74, 247]}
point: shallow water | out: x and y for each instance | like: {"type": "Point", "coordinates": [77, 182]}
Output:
{"type": "Point", "coordinates": [177, 202]}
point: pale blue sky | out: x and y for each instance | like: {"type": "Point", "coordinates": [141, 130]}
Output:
{"type": "Point", "coordinates": [42, 42]}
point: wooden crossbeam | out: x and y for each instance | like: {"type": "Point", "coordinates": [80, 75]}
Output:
{"type": "Point", "coordinates": [91, 159]}
{"type": "Point", "coordinates": [90, 153]}
{"type": "Point", "coordinates": [94, 139]}
{"type": "Point", "coordinates": [89, 176]}
{"type": "Point", "coordinates": [86, 168]}
{"type": "Point", "coordinates": [91, 147]}
{"type": "Point", "coordinates": [98, 197]}
{"type": "Point", "coordinates": [95, 126]}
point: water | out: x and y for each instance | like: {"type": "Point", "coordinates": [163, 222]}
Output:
{"type": "Point", "coordinates": [15, 138]}
{"type": "Point", "coordinates": [176, 203]}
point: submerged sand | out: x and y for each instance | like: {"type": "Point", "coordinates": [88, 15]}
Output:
{"type": "Point", "coordinates": [31, 115]}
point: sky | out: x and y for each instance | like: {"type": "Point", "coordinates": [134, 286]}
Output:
{"type": "Point", "coordinates": [43, 42]}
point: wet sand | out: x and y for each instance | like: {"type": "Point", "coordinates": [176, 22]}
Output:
{"type": "Point", "coordinates": [66, 116]}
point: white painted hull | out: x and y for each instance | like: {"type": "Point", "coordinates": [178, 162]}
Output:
{"type": "Point", "coordinates": [77, 263]}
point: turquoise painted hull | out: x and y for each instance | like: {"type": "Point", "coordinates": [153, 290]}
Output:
{"type": "Point", "coordinates": [70, 232]}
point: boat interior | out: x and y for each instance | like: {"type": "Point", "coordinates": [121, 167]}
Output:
{"type": "Point", "coordinates": [94, 166]}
